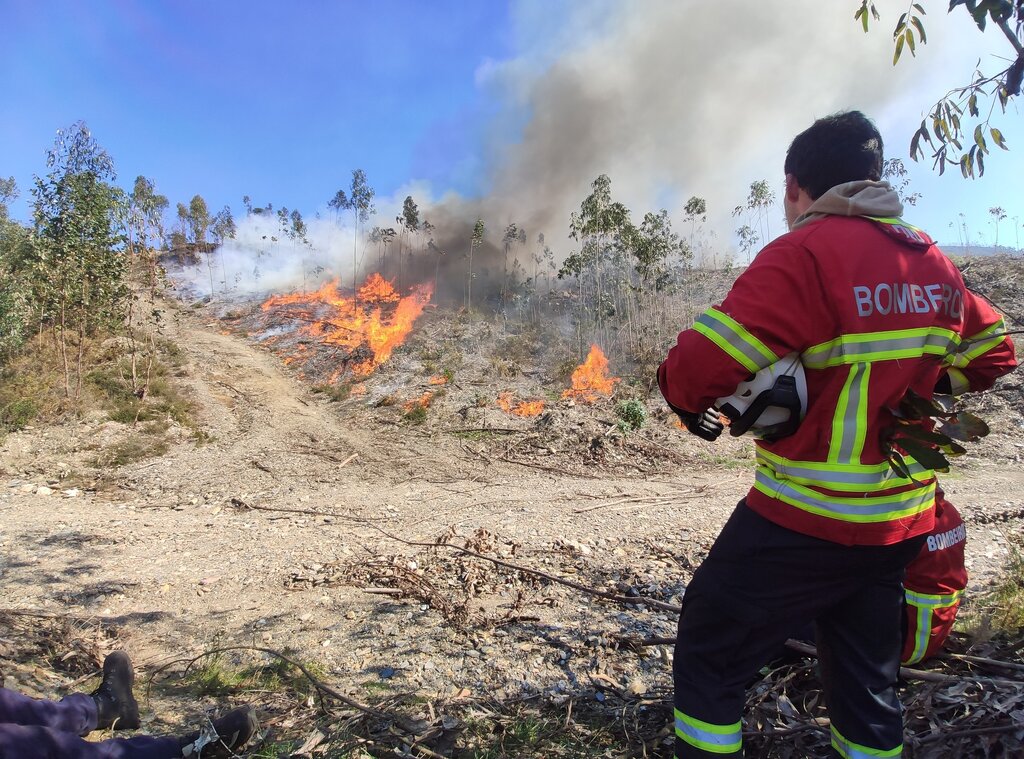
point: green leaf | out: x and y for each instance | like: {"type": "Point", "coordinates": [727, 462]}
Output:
{"type": "Point", "coordinates": [899, 465]}
{"type": "Point", "coordinates": [967, 427]}
{"type": "Point", "coordinates": [900, 26]}
{"type": "Point", "coordinates": [910, 41]}
{"type": "Point", "coordinates": [915, 145]}
{"type": "Point", "coordinates": [979, 138]}
{"type": "Point", "coordinates": [920, 9]}
{"type": "Point", "coordinates": [972, 104]}
{"type": "Point", "coordinates": [862, 14]}
{"type": "Point", "coordinates": [899, 49]}
{"type": "Point", "coordinates": [981, 164]}
{"type": "Point", "coordinates": [917, 432]}
{"type": "Point", "coordinates": [925, 454]}
{"type": "Point", "coordinates": [997, 138]}
{"type": "Point", "coordinates": [920, 29]}
{"type": "Point", "coordinates": [966, 166]}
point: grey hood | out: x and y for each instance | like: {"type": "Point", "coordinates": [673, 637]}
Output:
{"type": "Point", "coordinates": [860, 198]}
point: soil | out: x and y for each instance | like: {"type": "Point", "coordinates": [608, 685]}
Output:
{"type": "Point", "coordinates": [280, 529]}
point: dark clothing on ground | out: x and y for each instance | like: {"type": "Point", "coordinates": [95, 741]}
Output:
{"type": "Point", "coordinates": [38, 729]}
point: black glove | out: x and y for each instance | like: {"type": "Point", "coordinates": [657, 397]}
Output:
{"type": "Point", "coordinates": [706, 426]}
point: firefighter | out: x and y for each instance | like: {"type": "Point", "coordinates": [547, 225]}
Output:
{"type": "Point", "coordinates": [873, 309]}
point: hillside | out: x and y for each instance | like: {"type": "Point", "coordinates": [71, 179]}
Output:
{"type": "Point", "coordinates": [302, 520]}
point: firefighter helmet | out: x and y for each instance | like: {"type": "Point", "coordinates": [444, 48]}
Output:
{"type": "Point", "coordinates": [771, 404]}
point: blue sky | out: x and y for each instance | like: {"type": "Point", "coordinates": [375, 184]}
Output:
{"type": "Point", "coordinates": [280, 101]}
{"type": "Point", "coordinates": [275, 100]}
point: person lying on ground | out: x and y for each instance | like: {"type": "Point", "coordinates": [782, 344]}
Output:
{"type": "Point", "coordinates": [43, 729]}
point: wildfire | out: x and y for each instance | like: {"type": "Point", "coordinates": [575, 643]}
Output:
{"type": "Point", "coordinates": [422, 402]}
{"type": "Point", "coordinates": [591, 380]}
{"type": "Point", "coordinates": [506, 403]}
{"type": "Point", "coordinates": [368, 326]}
{"type": "Point", "coordinates": [439, 380]}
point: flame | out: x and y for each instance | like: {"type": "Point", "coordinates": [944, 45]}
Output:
{"type": "Point", "coordinates": [439, 380]}
{"type": "Point", "coordinates": [591, 379]}
{"type": "Point", "coordinates": [368, 326]}
{"type": "Point", "coordinates": [357, 390]}
{"type": "Point", "coordinates": [523, 408]}
{"type": "Point", "coordinates": [422, 402]}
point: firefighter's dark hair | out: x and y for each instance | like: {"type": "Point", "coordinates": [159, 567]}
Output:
{"type": "Point", "coordinates": [843, 147]}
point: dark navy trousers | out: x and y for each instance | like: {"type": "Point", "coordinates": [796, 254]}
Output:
{"type": "Point", "coordinates": [33, 728]}
{"type": "Point", "coordinates": [760, 583]}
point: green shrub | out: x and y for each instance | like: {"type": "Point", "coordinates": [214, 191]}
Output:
{"type": "Point", "coordinates": [17, 414]}
{"type": "Point", "coordinates": [632, 414]}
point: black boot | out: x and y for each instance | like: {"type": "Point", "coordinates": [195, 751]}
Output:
{"type": "Point", "coordinates": [223, 736]}
{"type": "Point", "coordinates": [116, 707]}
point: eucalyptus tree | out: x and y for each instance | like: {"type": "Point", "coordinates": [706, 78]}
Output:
{"type": "Point", "coordinates": [599, 227]}
{"type": "Point", "coordinates": [409, 224]}
{"type": "Point", "coordinates": [475, 241]}
{"type": "Point", "coordinates": [359, 201]}
{"type": "Point", "coordinates": [998, 214]}
{"type": "Point", "coordinates": [948, 127]}
{"type": "Point", "coordinates": [223, 228]}
{"type": "Point", "coordinates": [15, 254]}
{"type": "Point", "coordinates": [79, 264]}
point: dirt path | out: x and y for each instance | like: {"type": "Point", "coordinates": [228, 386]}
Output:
{"type": "Point", "coordinates": [201, 544]}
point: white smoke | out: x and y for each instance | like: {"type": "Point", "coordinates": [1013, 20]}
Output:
{"type": "Point", "coordinates": [670, 98]}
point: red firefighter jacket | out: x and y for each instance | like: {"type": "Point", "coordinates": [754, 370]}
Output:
{"type": "Point", "coordinates": [934, 584]}
{"type": "Point", "coordinates": [873, 307]}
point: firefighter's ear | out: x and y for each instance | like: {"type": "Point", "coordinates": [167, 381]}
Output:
{"type": "Point", "coordinates": [792, 189]}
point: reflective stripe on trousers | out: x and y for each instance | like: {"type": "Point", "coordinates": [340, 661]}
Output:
{"type": "Point", "coordinates": [849, 750]}
{"type": "Point", "coordinates": [715, 739]}
{"type": "Point", "coordinates": [923, 603]}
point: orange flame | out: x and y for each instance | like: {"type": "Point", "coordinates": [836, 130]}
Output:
{"type": "Point", "coordinates": [439, 380]}
{"type": "Point", "coordinates": [524, 408]}
{"type": "Point", "coordinates": [591, 380]}
{"type": "Point", "coordinates": [377, 320]}
{"type": "Point", "coordinates": [422, 402]}
{"type": "Point", "coordinates": [358, 390]}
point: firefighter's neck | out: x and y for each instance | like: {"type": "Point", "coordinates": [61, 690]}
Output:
{"type": "Point", "coordinates": [796, 200]}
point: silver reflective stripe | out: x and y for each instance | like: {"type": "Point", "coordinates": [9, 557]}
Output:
{"type": "Point", "coordinates": [877, 509]}
{"type": "Point", "coordinates": [720, 739]}
{"type": "Point", "coordinates": [922, 634]}
{"type": "Point", "coordinates": [848, 440]}
{"type": "Point", "coordinates": [844, 480]}
{"type": "Point", "coordinates": [980, 344]}
{"type": "Point", "coordinates": [753, 350]}
{"type": "Point", "coordinates": [933, 601]}
{"type": "Point", "coordinates": [877, 346]}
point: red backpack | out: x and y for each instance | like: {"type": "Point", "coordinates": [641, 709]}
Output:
{"type": "Point", "coordinates": [934, 584]}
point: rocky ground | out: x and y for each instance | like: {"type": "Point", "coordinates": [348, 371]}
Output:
{"type": "Point", "coordinates": [292, 524]}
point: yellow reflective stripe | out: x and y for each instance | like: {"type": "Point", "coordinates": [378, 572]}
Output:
{"type": "Point", "coordinates": [980, 344]}
{"type": "Point", "coordinates": [865, 509]}
{"type": "Point", "coordinates": [922, 634]}
{"type": "Point", "coordinates": [850, 422]}
{"type": "Point", "coordinates": [934, 601]}
{"type": "Point", "coordinates": [729, 335]}
{"type": "Point", "coordinates": [850, 750]}
{"type": "Point", "coordinates": [881, 346]}
{"type": "Point", "coordinates": [845, 477]}
{"type": "Point", "coordinates": [908, 229]}
{"type": "Point", "coordinates": [715, 739]}
{"type": "Point", "coordinates": [958, 381]}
